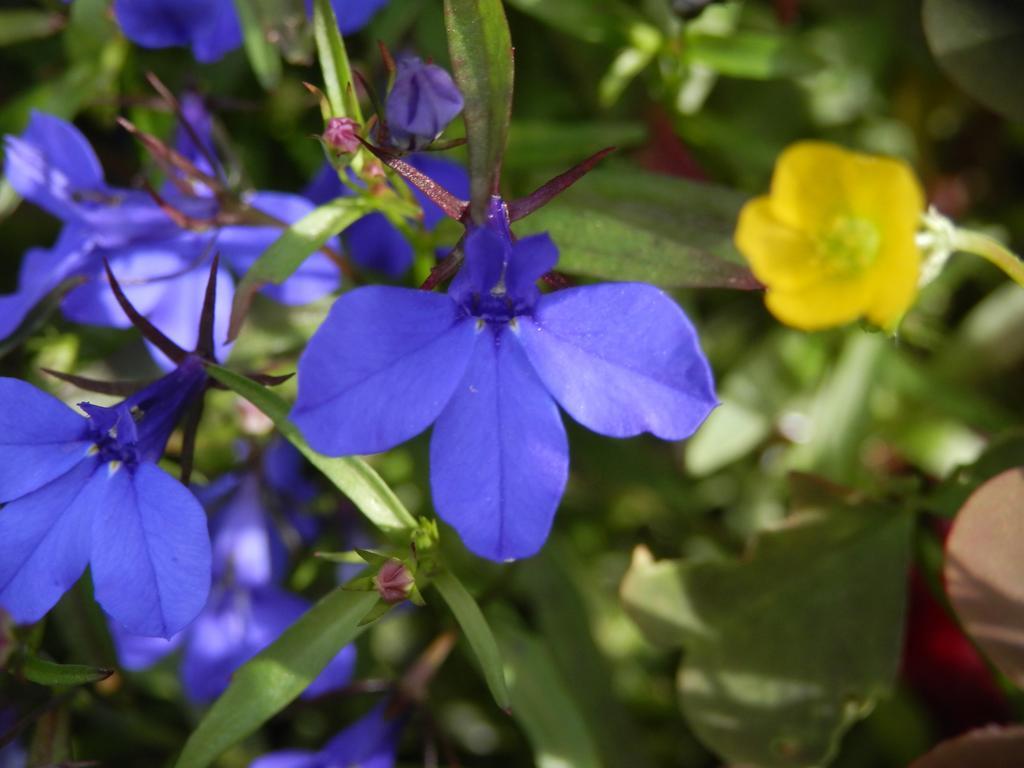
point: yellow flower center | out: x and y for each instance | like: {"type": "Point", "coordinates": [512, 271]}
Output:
{"type": "Point", "coordinates": [849, 245]}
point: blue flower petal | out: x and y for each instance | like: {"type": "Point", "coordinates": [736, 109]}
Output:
{"type": "Point", "coordinates": [353, 15]}
{"type": "Point", "coordinates": [217, 644]}
{"type": "Point", "coordinates": [370, 742]}
{"type": "Point", "coordinates": [150, 550]}
{"type": "Point", "coordinates": [50, 162]}
{"type": "Point", "coordinates": [380, 369]}
{"type": "Point", "coordinates": [40, 438]}
{"type": "Point", "coordinates": [288, 758]}
{"type": "Point", "coordinates": [532, 257]}
{"type": "Point", "coordinates": [336, 674]}
{"type": "Point", "coordinates": [44, 543]}
{"type": "Point", "coordinates": [241, 246]}
{"type": "Point", "coordinates": [209, 26]}
{"type": "Point", "coordinates": [622, 359]}
{"type": "Point", "coordinates": [486, 253]}
{"type": "Point", "coordinates": [377, 244]}
{"type": "Point", "coordinates": [246, 544]}
{"type": "Point", "coordinates": [499, 457]}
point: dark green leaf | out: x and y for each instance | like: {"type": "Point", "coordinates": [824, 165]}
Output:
{"type": "Point", "coordinates": [1005, 452]}
{"type": "Point", "coordinates": [541, 703]}
{"type": "Point", "coordinates": [602, 22]}
{"type": "Point", "coordinates": [752, 55]}
{"type": "Point", "coordinates": [277, 675]}
{"type": "Point", "coordinates": [50, 673]}
{"type": "Point", "coordinates": [350, 474]}
{"type": "Point", "coordinates": [263, 56]}
{"type": "Point", "coordinates": [478, 633]}
{"type": "Point", "coordinates": [621, 224]}
{"type": "Point", "coordinates": [481, 52]}
{"type": "Point", "coordinates": [984, 570]}
{"type": "Point", "coordinates": [286, 254]}
{"type": "Point", "coordinates": [785, 648]}
{"type": "Point", "coordinates": [980, 45]}
{"type": "Point", "coordinates": [16, 26]}
{"type": "Point", "coordinates": [334, 62]}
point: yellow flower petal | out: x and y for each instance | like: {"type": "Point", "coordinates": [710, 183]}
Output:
{"type": "Point", "coordinates": [895, 280]}
{"type": "Point", "coordinates": [822, 305]}
{"type": "Point", "coordinates": [809, 185]}
{"type": "Point", "coordinates": [778, 255]}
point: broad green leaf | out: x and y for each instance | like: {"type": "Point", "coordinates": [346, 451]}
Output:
{"type": "Point", "coordinates": [480, 48]}
{"type": "Point", "coordinates": [601, 21]}
{"type": "Point", "coordinates": [334, 62]}
{"type": "Point", "coordinates": [478, 633]}
{"type": "Point", "coordinates": [277, 675]}
{"type": "Point", "coordinates": [350, 474]}
{"type": "Point", "coordinates": [751, 55]}
{"type": "Point", "coordinates": [984, 570]}
{"type": "Point", "coordinates": [980, 45]}
{"type": "Point", "coordinates": [50, 673]}
{"type": "Point", "coordinates": [286, 254]}
{"type": "Point", "coordinates": [17, 26]}
{"type": "Point", "coordinates": [789, 646]}
{"type": "Point", "coordinates": [560, 144]}
{"type": "Point", "coordinates": [623, 224]}
{"type": "Point", "coordinates": [992, 746]}
{"type": "Point", "coordinates": [541, 703]}
{"type": "Point", "coordinates": [263, 56]}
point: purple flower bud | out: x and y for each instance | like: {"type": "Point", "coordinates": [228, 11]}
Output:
{"type": "Point", "coordinates": [342, 133]}
{"type": "Point", "coordinates": [393, 582]}
{"type": "Point", "coordinates": [423, 100]}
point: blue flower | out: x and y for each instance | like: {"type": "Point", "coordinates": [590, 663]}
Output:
{"type": "Point", "coordinates": [375, 243]}
{"type": "Point", "coordinates": [486, 364]}
{"type": "Point", "coordinates": [246, 610]}
{"type": "Point", "coordinates": [163, 267]}
{"type": "Point", "coordinates": [370, 742]}
{"type": "Point", "coordinates": [88, 491]}
{"type": "Point", "coordinates": [421, 103]}
{"type": "Point", "coordinates": [210, 27]}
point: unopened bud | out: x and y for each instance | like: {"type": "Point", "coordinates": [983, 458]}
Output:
{"type": "Point", "coordinates": [423, 100]}
{"type": "Point", "coordinates": [342, 133]}
{"type": "Point", "coordinates": [394, 582]}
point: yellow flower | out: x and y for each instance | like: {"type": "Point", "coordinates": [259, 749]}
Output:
{"type": "Point", "coordinates": [834, 240]}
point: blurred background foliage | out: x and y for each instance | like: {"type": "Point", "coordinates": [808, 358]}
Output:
{"type": "Point", "coordinates": [830, 641]}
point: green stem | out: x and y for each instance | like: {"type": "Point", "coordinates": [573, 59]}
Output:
{"type": "Point", "coordinates": [991, 250]}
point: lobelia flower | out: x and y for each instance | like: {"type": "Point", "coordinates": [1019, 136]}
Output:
{"type": "Point", "coordinates": [211, 27]}
{"type": "Point", "coordinates": [370, 742]}
{"type": "Point", "coordinates": [88, 491]}
{"type": "Point", "coordinates": [375, 243]}
{"type": "Point", "coordinates": [162, 265]}
{"type": "Point", "coordinates": [835, 238]}
{"type": "Point", "coordinates": [246, 611]}
{"type": "Point", "coordinates": [486, 364]}
{"type": "Point", "coordinates": [421, 103]}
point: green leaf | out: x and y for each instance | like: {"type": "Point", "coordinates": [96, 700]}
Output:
{"type": "Point", "coordinates": [17, 26]}
{"type": "Point", "coordinates": [789, 646]}
{"type": "Point", "coordinates": [478, 633]}
{"type": "Point", "coordinates": [1005, 452]}
{"type": "Point", "coordinates": [277, 675]}
{"type": "Point", "coordinates": [334, 62]}
{"type": "Point", "coordinates": [751, 55]}
{"type": "Point", "coordinates": [980, 45]}
{"type": "Point", "coordinates": [50, 673]}
{"type": "Point", "coordinates": [624, 224]}
{"type": "Point", "coordinates": [481, 52]}
{"type": "Point", "coordinates": [984, 570]}
{"type": "Point", "coordinates": [601, 22]}
{"type": "Point", "coordinates": [286, 254]}
{"type": "Point", "coordinates": [541, 703]}
{"type": "Point", "coordinates": [350, 474]}
{"type": "Point", "coordinates": [263, 56]}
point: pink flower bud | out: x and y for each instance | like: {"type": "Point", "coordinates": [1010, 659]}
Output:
{"type": "Point", "coordinates": [393, 582]}
{"type": "Point", "coordinates": [342, 133]}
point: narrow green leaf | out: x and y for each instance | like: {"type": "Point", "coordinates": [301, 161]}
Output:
{"type": "Point", "coordinates": [17, 26]}
{"type": "Point", "coordinates": [286, 254]}
{"type": "Point", "coordinates": [334, 62]}
{"type": "Point", "coordinates": [263, 56]}
{"type": "Point", "coordinates": [50, 673]}
{"type": "Point", "coordinates": [751, 55]}
{"type": "Point", "coordinates": [789, 646]}
{"type": "Point", "coordinates": [541, 703]}
{"type": "Point", "coordinates": [481, 52]}
{"type": "Point", "coordinates": [277, 675]}
{"type": "Point", "coordinates": [980, 45]}
{"type": "Point", "coordinates": [478, 633]}
{"type": "Point", "coordinates": [350, 474]}
{"type": "Point", "coordinates": [620, 224]}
